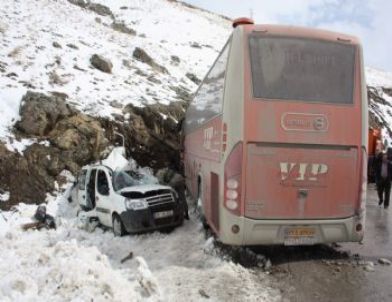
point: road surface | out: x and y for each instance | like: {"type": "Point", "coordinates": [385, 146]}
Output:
{"type": "Point", "coordinates": [346, 272]}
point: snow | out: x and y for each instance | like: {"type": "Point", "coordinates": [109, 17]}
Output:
{"type": "Point", "coordinates": [28, 57]}
{"type": "Point", "coordinates": [70, 264]}
{"type": "Point", "coordinates": [116, 159]}
{"type": "Point", "coordinates": [19, 145]}
{"type": "Point", "coordinates": [4, 196]}
{"type": "Point", "coordinates": [378, 78]}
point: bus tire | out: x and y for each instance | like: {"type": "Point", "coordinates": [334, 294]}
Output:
{"type": "Point", "coordinates": [199, 206]}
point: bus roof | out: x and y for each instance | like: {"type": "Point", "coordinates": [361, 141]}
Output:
{"type": "Point", "coordinates": [296, 31]}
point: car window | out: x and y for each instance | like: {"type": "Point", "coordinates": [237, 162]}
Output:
{"type": "Point", "coordinates": [122, 180]}
{"type": "Point", "coordinates": [102, 183]}
{"type": "Point", "coordinates": [82, 180]}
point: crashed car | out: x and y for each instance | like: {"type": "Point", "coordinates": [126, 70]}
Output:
{"type": "Point", "coordinates": [123, 202]}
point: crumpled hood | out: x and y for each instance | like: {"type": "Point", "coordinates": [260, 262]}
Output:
{"type": "Point", "coordinates": [144, 188]}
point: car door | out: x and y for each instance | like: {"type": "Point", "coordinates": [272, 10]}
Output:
{"type": "Point", "coordinates": [102, 197]}
{"type": "Point", "coordinates": [81, 188]}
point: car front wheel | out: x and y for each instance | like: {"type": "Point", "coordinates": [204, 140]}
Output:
{"type": "Point", "coordinates": [118, 226]}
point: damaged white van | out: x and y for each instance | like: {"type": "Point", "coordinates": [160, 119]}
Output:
{"type": "Point", "coordinates": [121, 202]}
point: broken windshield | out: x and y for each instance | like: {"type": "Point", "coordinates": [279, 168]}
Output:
{"type": "Point", "coordinates": [122, 179]}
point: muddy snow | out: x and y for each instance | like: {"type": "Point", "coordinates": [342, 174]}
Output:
{"type": "Point", "coordinates": [71, 264]}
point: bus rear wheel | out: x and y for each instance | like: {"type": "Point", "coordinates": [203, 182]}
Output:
{"type": "Point", "coordinates": [199, 207]}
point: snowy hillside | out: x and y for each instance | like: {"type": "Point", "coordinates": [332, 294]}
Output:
{"type": "Point", "coordinates": [47, 46]}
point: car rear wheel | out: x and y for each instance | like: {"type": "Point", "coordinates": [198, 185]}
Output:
{"type": "Point", "coordinates": [118, 226]}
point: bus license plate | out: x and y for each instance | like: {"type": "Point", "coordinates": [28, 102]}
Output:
{"type": "Point", "coordinates": [163, 214]}
{"type": "Point", "coordinates": [299, 236]}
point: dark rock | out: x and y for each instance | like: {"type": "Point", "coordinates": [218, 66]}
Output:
{"type": "Point", "coordinates": [116, 104]}
{"type": "Point", "coordinates": [101, 63]}
{"type": "Point", "coordinates": [193, 78]}
{"type": "Point", "coordinates": [140, 55]}
{"type": "Point", "coordinates": [118, 117]}
{"type": "Point", "coordinates": [12, 74]}
{"type": "Point", "coordinates": [60, 95]}
{"type": "Point", "coordinates": [182, 93]}
{"type": "Point", "coordinates": [141, 73]}
{"type": "Point", "coordinates": [195, 45]}
{"type": "Point", "coordinates": [3, 66]}
{"type": "Point", "coordinates": [39, 113]}
{"type": "Point", "coordinates": [127, 64]}
{"type": "Point", "coordinates": [121, 27]}
{"type": "Point", "coordinates": [56, 44]}
{"type": "Point", "coordinates": [100, 9]}
{"type": "Point", "coordinates": [124, 7]}
{"type": "Point", "coordinates": [203, 294]}
{"type": "Point", "coordinates": [175, 59]}
{"type": "Point", "coordinates": [73, 46]}
{"type": "Point", "coordinates": [154, 80]}
{"type": "Point", "coordinates": [95, 7]}
{"type": "Point", "coordinates": [81, 3]}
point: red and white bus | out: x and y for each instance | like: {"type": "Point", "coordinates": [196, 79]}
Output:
{"type": "Point", "coordinates": [276, 137]}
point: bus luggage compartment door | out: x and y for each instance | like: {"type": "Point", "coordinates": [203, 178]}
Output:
{"type": "Point", "coordinates": [300, 181]}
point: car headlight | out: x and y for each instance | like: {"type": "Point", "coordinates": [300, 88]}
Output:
{"type": "Point", "coordinates": [136, 204]}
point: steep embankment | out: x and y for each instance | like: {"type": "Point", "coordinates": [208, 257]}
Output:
{"type": "Point", "coordinates": [127, 66]}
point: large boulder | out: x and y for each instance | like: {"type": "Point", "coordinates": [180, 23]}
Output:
{"type": "Point", "coordinates": [153, 133]}
{"type": "Point", "coordinates": [40, 113]}
{"type": "Point", "coordinates": [142, 56]}
{"type": "Point", "coordinates": [82, 138]}
{"type": "Point", "coordinates": [101, 63]}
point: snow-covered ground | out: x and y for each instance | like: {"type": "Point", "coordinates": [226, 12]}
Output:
{"type": "Point", "coordinates": [70, 264]}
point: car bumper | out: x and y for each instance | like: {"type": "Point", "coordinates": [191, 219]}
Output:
{"type": "Point", "coordinates": [140, 221]}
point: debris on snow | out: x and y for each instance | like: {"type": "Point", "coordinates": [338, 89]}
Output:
{"type": "Point", "coordinates": [203, 294]}
{"type": "Point", "coordinates": [384, 261]}
{"type": "Point", "coordinates": [146, 279]}
{"type": "Point", "coordinates": [128, 257]}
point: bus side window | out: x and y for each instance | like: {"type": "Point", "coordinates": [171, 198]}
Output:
{"type": "Point", "coordinates": [208, 100]}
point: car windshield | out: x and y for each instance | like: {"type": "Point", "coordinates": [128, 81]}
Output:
{"type": "Point", "coordinates": [122, 179]}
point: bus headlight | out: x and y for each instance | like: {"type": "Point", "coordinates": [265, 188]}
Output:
{"type": "Point", "coordinates": [136, 204]}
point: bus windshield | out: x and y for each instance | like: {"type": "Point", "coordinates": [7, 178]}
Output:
{"type": "Point", "coordinates": [302, 69]}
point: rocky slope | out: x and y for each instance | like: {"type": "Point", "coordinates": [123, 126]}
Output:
{"type": "Point", "coordinates": [72, 73]}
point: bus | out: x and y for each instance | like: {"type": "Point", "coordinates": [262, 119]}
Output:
{"type": "Point", "coordinates": [275, 138]}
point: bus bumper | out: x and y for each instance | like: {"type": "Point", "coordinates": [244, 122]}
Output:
{"type": "Point", "coordinates": [292, 232]}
